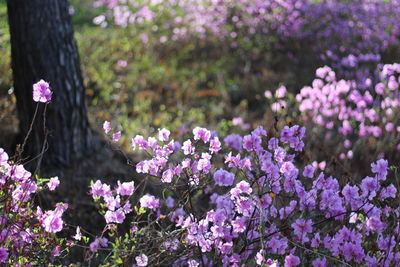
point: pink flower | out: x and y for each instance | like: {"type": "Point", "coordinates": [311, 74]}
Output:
{"type": "Point", "coordinates": [42, 92]}
{"type": "Point", "coordinates": [100, 190]}
{"type": "Point", "coordinates": [53, 183]}
{"type": "Point", "coordinates": [122, 63]}
{"type": "Point", "coordinates": [95, 245]}
{"type": "Point", "coordinates": [167, 176]}
{"type": "Point", "coordinates": [237, 121]}
{"type": "Point", "coordinates": [280, 92]}
{"type": "Point", "coordinates": [149, 201]}
{"type": "Point", "coordinates": [260, 257]}
{"type": "Point", "coordinates": [18, 173]}
{"type": "Point", "coordinates": [115, 216]}
{"type": "Point", "coordinates": [215, 145]}
{"type": "Point", "coordinates": [3, 156]}
{"type": "Point", "coordinates": [141, 143]}
{"type": "Point", "coordinates": [78, 235]}
{"type": "Point", "coordinates": [107, 127]}
{"type": "Point", "coordinates": [125, 189]}
{"type": "Point", "coordinates": [144, 37]}
{"type": "Point", "coordinates": [52, 222]}
{"type": "Point", "coordinates": [56, 251]}
{"type": "Point", "coordinates": [187, 147]}
{"type": "Point", "coordinates": [163, 135]}
{"type": "Point", "coordinates": [141, 260]}
{"type": "Point", "coordinates": [192, 263]}
{"type": "Point", "coordinates": [201, 134]}
{"type": "Point", "coordinates": [291, 260]}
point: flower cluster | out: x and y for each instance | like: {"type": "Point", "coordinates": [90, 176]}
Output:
{"type": "Point", "coordinates": [349, 35]}
{"type": "Point", "coordinates": [342, 106]}
{"type": "Point", "coordinates": [42, 92]}
{"type": "Point", "coordinates": [26, 231]}
{"type": "Point", "coordinates": [115, 201]}
{"type": "Point", "coordinates": [264, 209]}
{"type": "Point", "coordinates": [255, 201]}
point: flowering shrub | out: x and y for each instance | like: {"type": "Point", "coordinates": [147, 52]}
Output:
{"type": "Point", "coordinates": [264, 209]}
{"type": "Point", "coordinates": [27, 234]}
{"type": "Point", "coordinates": [253, 201]}
{"type": "Point", "coordinates": [341, 106]}
{"type": "Point", "coordinates": [349, 35]}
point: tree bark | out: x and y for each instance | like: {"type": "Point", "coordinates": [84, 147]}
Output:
{"type": "Point", "coordinates": [43, 47]}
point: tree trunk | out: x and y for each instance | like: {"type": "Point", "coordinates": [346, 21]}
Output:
{"type": "Point", "coordinates": [43, 47]}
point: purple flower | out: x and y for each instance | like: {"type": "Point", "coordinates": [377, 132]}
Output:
{"type": "Point", "coordinates": [239, 224]}
{"type": "Point", "coordinates": [389, 191]}
{"type": "Point", "coordinates": [202, 134]}
{"type": "Point", "coordinates": [278, 246]}
{"type": "Point", "coordinates": [260, 257]}
{"type": "Point", "coordinates": [170, 201]}
{"type": "Point", "coordinates": [291, 260]}
{"type": "Point", "coordinates": [53, 183]}
{"type": "Point", "coordinates": [252, 142]}
{"type": "Point", "coordinates": [204, 163]}
{"type": "Point", "coordinates": [280, 92]}
{"type": "Point", "coordinates": [316, 241]}
{"type": "Point", "coordinates": [241, 187]}
{"type": "Point", "coordinates": [369, 187]}
{"type": "Point", "coordinates": [52, 222]}
{"type": "Point", "coordinates": [3, 255]}
{"type": "Point", "coordinates": [188, 148]}
{"type": "Point", "coordinates": [302, 228]}
{"type": "Point", "coordinates": [107, 127]}
{"type": "Point", "coordinates": [308, 171]}
{"type": "Point", "coordinates": [42, 92]}
{"type": "Point", "coordinates": [100, 190]}
{"type": "Point", "coordinates": [380, 168]}
{"type": "Point", "coordinates": [122, 63]}
{"type": "Point", "coordinates": [192, 263]}
{"type": "Point", "coordinates": [279, 154]}
{"type": "Point", "coordinates": [125, 189]}
{"type": "Point", "coordinates": [289, 170]}
{"type": "Point", "coordinates": [114, 216]}
{"type": "Point", "coordinates": [223, 178]}
{"type": "Point", "coordinates": [353, 251]}
{"type": "Point", "coordinates": [78, 234]}
{"type": "Point", "coordinates": [149, 201]}
{"type": "Point", "coordinates": [141, 260]}
{"type": "Point", "coordinates": [319, 262]}
{"type": "Point", "coordinates": [376, 224]}
{"type": "Point", "coordinates": [116, 136]}
{"type": "Point", "coordinates": [163, 135]}
{"type": "Point", "coordinates": [139, 141]}
{"type": "Point", "coordinates": [56, 251]}
{"type": "Point", "coordinates": [234, 141]}
{"type": "Point", "coordinates": [94, 246]}
{"type": "Point", "coordinates": [3, 156]}
{"type": "Point", "coordinates": [215, 145]}
{"type": "Point", "coordinates": [167, 176]}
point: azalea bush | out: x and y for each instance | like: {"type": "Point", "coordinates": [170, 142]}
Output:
{"type": "Point", "coordinates": [353, 114]}
{"type": "Point", "coordinates": [256, 200]}
{"type": "Point", "coordinates": [27, 233]}
{"type": "Point", "coordinates": [352, 36]}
